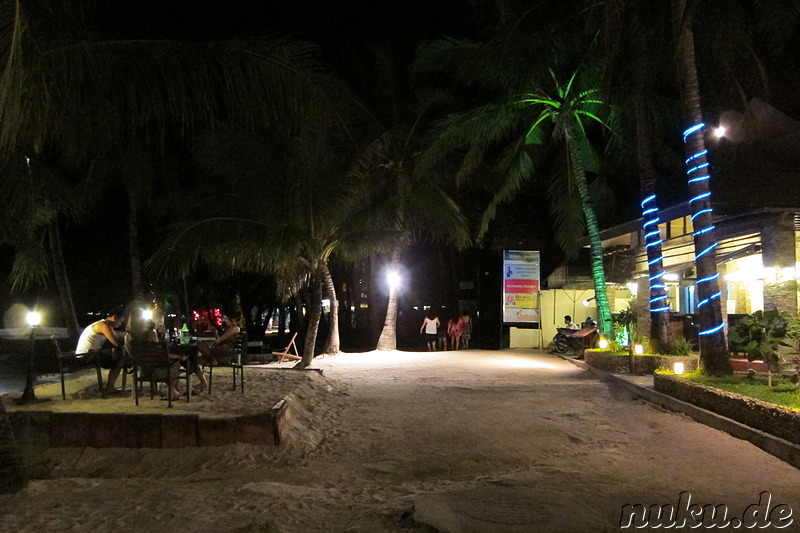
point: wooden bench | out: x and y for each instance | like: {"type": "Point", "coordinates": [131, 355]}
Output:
{"type": "Point", "coordinates": [289, 353]}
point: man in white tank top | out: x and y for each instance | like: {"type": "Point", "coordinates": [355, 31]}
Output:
{"type": "Point", "coordinates": [101, 338]}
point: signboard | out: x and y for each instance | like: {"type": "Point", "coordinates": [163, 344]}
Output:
{"type": "Point", "coordinates": [520, 286]}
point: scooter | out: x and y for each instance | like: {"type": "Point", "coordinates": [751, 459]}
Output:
{"type": "Point", "coordinates": [576, 340]}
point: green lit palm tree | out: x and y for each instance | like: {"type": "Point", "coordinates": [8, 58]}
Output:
{"type": "Point", "coordinates": [524, 128]}
{"type": "Point", "coordinates": [569, 110]}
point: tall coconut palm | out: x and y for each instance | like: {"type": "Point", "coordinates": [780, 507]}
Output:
{"type": "Point", "coordinates": [523, 127]}
{"type": "Point", "coordinates": [713, 348]}
{"type": "Point", "coordinates": [36, 200]}
{"type": "Point", "coordinates": [67, 86]}
{"type": "Point", "coordinates": [631, 80]}
{"type": "Point", "coordinates": [279, 211]}
{"type": "Point", "coordinates": [406, 205]}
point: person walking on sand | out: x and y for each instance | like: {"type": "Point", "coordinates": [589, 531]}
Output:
{"type": "Point", "coordinates": [430, 326]}
{"type": "Point", "coordinates": [466, 333]}
{"type": "Point", "coordinates": [455, 328]}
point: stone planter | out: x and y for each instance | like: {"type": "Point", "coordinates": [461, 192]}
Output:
{"type": "Point", "coordinates": [643, 364]}
{"type": "Point", "coordinates": [767, 417]}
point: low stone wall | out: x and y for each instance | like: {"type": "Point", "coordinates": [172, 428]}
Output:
{"type": "Point", "coordinates": [643, 364]}
{"type": "Point", "coordinates": [767, 417]}
{"type": "Point", "coordinates": [122, 430]}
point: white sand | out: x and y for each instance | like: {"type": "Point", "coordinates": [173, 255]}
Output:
{"type": "Point", "coordinates": [473, 441]}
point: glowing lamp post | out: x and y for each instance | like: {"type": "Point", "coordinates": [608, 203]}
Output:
{"type": "Point", "coordinates": [33, 319]}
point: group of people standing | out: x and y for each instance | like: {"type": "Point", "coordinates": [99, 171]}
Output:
{"type": "Point", "coordinates": [456, 333]}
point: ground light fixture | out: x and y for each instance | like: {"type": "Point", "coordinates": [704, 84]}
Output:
{"type": "Point", "coordinates": [602, 344]}
{"type": "Point", "coordinates": [677, 368]}
{"type": "Point", "coordinates": [638, 349]}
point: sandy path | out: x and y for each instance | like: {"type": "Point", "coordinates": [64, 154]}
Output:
{"type": "Point", "coordinates": [474, 441]}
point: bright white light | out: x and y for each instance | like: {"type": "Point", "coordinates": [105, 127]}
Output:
{"type": "Point", "coordinates": [719, 131]}
{"type": "Point", "coordinates": [147, 314]}
{"type": "Point", "coordinates": [638, 349]}
{"type": "Point", "coordinates": [671, 276]}
{"type": "Point", "coordinates": [33, 318]}
{"type": "Point", "coordinates": [586, 303]}
{"type": "Point", "coordinates": [393, 278]}
{"type": "Point", "coordinates": [602, 344]}
{"type": "Point", "coordinates": [633, 287]}
{"type": "Point", "coordinates": [677, 368]}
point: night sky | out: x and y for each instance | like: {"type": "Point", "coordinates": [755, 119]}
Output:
{"type": "Point", "coordinates": [330, 24]}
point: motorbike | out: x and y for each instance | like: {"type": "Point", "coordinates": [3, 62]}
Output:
{"type": "Point", "coordinates": [576, 340]}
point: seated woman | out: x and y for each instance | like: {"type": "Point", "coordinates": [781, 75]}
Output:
{"type": "Point", "coordinates": [150, 332]}
{"type": "Point", "coordinates": [211, 352]}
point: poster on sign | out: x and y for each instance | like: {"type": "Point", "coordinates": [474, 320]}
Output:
{"type": "Point", "coordinates": [520, 287]}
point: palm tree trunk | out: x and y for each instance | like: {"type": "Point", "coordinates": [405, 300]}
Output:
{"type": "Point", "coordinates": [388, 336]}
{"type": "Point", "coordinates": [62, 281]}
{"type": "Point", "coordinates": [12, 472]}
{"type": "Point", "coordinates": [714, 356]}
{"type": "Point", "coordinates": [659, 309]}
{"type": "Point", "coordinates": [314, 315]}
{"type": "Point", "coordinates": [332, 345]}
{"type": "Point", "coordinates": [604, 319]}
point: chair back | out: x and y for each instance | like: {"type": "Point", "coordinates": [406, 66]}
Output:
{"type": "Point", "coordinates": [240, 348]}
{"type": "Point", "coordinates": [148, 357]}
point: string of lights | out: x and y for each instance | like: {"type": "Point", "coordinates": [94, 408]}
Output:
{"type": "Point", "coordinates": [697, 173]}
{"type": "Point", "coordinates": [652, 238]}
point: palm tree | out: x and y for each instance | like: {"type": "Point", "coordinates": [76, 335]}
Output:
{"type": "Point", "coordinates": [406, 205]}
{"type": "Point", "coordinates": [628, 31]}
{"type": "Point", "coordinates": [36, 198]}
{"type": "Point", "coordinates": [524, 127]}
{"type": "Point", "coordinates": [713, 348]}
{"type": "Point", "coordinates": [67, 87]}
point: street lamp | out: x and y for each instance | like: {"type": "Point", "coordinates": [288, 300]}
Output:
{"type": "Point", "coordinates": [388, 337]}
{"type": "Point", "coordinates": [393, 279]}
{"type": "Point", "coordinates": [33, 319]}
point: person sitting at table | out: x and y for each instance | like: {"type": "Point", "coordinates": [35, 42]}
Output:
{"type": "Point", "coordinates": [209, 353]}
{"type": "Point", "coordinates": [102, 339]}
{"type": "Point", "coordinates": [149, 332]}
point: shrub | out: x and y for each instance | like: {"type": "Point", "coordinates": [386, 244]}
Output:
{"type": "Point", "coordinates": [761, 333]}
{"type": "Point", "coordinates": [681, 347]}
